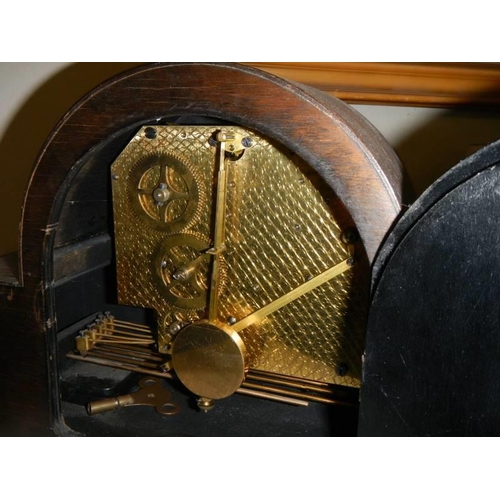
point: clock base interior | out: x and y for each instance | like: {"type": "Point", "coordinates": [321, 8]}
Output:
{"type": "Point", "coordinates": [237, 416]}
{"type": "Point", "coordinates": [308, 408]}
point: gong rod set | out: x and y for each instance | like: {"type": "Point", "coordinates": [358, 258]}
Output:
{"type": "Point", "coordinates": [115, 343]}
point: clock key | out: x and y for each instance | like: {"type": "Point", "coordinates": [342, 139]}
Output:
{"type": "Point", "coordinates": [151, 393]}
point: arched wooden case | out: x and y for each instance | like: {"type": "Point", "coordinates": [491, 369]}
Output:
{"type": "Point", "coordinates": [70, 240]}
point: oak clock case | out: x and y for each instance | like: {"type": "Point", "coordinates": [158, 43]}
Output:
{"type": "Point", "coordinates": [217, 244]}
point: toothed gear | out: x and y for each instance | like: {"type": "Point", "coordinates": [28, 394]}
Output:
{"type": "Point", "coordinates": [166, 191]}
{"type": "Point", "coordinates": [186, 251]}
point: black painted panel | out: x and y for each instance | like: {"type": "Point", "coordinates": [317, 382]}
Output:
{"type": "Point", "coordinates": [432, 361]}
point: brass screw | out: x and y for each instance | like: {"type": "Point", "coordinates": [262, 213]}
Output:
{"type": "Point", "coordinates": [247, 142]}
{"type": "Point", "coordinates": [205, 404]}
{"type": "Point", "coordinates": [350, 235]}
{"type": "Point", "coordinates": [174, 327]}
{"type": "Point", "coordinates": [342, 369]}
{"type": "Point", "coordinates": [150, 132]}
{"type": "Point", "coordinates": [166, 367]}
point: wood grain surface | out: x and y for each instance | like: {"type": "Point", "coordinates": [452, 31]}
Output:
{"type": "Point", "coordinates": [410, 84]}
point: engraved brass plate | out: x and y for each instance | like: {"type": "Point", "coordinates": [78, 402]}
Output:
{"type": "Point", "coordinates": [283, 227]}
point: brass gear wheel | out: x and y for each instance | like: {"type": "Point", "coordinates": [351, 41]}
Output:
{"type": "Point", "coordinates": [166, 191]}
{"type": "Point", "coordinates": [182, 270]}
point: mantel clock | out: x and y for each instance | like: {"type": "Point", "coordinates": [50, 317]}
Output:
{"type": "Point", "coordinates": [211, 227]}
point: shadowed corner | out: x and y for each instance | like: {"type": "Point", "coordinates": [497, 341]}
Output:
{"type": "Point", "coordinates": [25, 135]}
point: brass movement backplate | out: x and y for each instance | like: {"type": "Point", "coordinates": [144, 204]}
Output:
{"type": "Point", "coordinates": [282, 226]}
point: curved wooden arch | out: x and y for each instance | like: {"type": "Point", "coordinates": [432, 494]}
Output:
{"type": "Point", "coordinates": [328, 134]}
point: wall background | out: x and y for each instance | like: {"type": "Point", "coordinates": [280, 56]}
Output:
{"type": "Point", "coordinates": [34, 96]}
